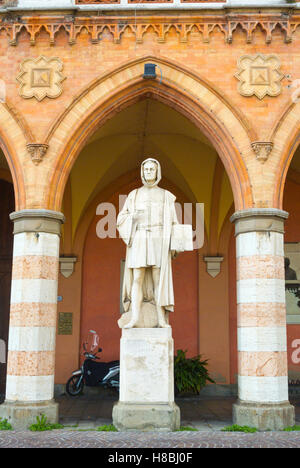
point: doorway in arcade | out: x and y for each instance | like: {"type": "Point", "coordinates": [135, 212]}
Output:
{"type": "Point", "coordinates": [105, 171]}
{"type": "Point", "coordinates": [7, 204]}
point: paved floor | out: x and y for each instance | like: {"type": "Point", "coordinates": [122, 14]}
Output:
{"type": "Point", "coordinates": [178, 440]}
{"type": "Point", "coordinates": [200, 413]}
{"type": "Point", "coordinates": [83, 415]}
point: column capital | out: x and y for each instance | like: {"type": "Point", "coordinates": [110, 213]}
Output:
{"type": "Point", "coordinates": [259, 220]}
{"type": "Point", "coordinates": [39, 220]}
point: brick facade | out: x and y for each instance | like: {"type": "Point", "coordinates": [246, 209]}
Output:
{"type": "Point", "coordinates": [232, 74]}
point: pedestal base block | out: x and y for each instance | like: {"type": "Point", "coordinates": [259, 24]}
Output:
{"type": "Point", "coordinates": [22, 414]}
{"type": "Point", "coordinates": [264, 416]}
{"type": "Point", "coordinates": [148, 417]}
{"type": "Point", "coordinates": [146, 381]}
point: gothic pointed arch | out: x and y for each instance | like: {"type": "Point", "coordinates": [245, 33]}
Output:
{"type": "Point", "coordinates": [198, 100]}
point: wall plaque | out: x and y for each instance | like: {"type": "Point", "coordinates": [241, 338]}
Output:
{"type": "Point", "coordinates": [65, 323]}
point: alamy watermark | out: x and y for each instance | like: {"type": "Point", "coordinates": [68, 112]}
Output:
{"type": "Point", "coordinates": [188, 213]}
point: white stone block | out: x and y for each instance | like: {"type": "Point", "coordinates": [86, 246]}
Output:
{"type": "Point", "coordinates": [31, 338]}
{"type": "Point", "coordinates": [263, 389]}
{"type": "Point", "coordinates": [250, 291]}
{"type": "Point", "coordinates": [28, 243]}
{"type": "Point", "coordinates": [34, 290]}
{"type": "Point", "coordinates": [259, 243]}
{"type": "Point", "coordinates": [48, 4]}
{"type": "Point", "coordinates": [29, 388]}
{"type": "Point", "coordinates": [261, 339]}
{"type": "Point", "coordinates": [146, 366]}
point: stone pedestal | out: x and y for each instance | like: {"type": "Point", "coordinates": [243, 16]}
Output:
{"type": "Point", "coordinates": [21, 414]}
{"type": "Point", "coordinates": [146, 381]}
{"type": "Point", "coordinates": [264, 416]}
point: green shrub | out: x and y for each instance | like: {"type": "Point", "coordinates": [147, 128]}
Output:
{"type": "Point", "coordinates": [292, 428]}
{"type": "Point", "coordinates": [43, 425]}
{"type": "Point", "coordinates": [5, 425]}
{"type": "Point", "coordinates": [107, 428]}
{"type": "Point", "coordinates": [237, 428]}
{"type": "Point", "coordinates": [190, 374]}
{"type": "Point", "coordinates": [187, 428]}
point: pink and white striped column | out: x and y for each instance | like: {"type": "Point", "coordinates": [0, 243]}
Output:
{"type": "Point", "coordinates": [32, 328]}
{"type": "Point", "coordinates": [262, 345]}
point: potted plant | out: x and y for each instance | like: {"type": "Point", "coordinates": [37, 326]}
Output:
{"type": "Point", "coordinates": [190, 374]}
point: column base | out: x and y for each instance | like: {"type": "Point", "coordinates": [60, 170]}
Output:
{"type": "Point", "coordinates": [264, 416]}
{"type": "Point", "coordinates": [21, 414]}
{"type": "Point", "coordinates": [146, 417]}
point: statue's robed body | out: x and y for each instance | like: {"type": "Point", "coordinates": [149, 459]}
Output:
{"type": "Point", "coordinates": [148, 241]}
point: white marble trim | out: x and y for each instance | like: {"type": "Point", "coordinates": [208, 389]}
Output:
{"type": "Point", "coordinates": [259, 243]}
{"type": "Point", "coordinates": [254, 290]}
{"type": "Point", "coordinates": [34, 290]}
{"type": "Point", "coordinates": [29, 388]}
{"type": "Point", "coordinates": [30, 243]}
{"type": "Point", "coordinates": [258, 339]}
{"type": "Point", "coordinates": [31, 338]}
{"type": "Point", "coordinates": [263, 389]}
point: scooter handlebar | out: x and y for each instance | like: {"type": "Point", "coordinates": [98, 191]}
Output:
{"type": "Point", "coordinates": [91, 356]}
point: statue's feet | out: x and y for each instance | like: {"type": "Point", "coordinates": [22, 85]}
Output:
{"type": "Point", "coordinates": [164, 325]}
{"type": "Point", "coordinates": [131, 324]}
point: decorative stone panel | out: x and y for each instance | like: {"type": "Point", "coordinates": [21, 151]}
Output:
{"type": "Point", "coordinates": [41, 77]}
{"type": "Point", "coordinates": [259, 75]}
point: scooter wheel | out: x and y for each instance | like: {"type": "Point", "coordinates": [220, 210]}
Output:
{"type": "Point", "coordinates": [73, 387]}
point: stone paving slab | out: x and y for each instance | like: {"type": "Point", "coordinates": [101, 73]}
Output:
{"type": "Point", "coordinates": [127, 440]}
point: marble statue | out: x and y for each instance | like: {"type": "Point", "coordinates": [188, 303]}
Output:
{"type": "Point", "coordinates": [145, 224]}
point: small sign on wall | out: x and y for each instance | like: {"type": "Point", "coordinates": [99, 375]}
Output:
{"type": "Point", "coordinates": [65, 323]}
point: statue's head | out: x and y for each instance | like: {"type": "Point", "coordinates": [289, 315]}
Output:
{"type": "Point", "coordinates": [150, 172]}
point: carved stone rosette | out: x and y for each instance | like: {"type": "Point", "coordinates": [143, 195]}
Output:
{"type": "Point", "coordinates": [37, 151]}
{"type": "Point", "coordinates": [262, 149]}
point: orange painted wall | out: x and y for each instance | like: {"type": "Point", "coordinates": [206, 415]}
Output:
{"type": "Point", "coordinates": [101, 294]}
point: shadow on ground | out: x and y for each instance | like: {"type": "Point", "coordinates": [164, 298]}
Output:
{"type": "Point", "coordinates": [202, 413]}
